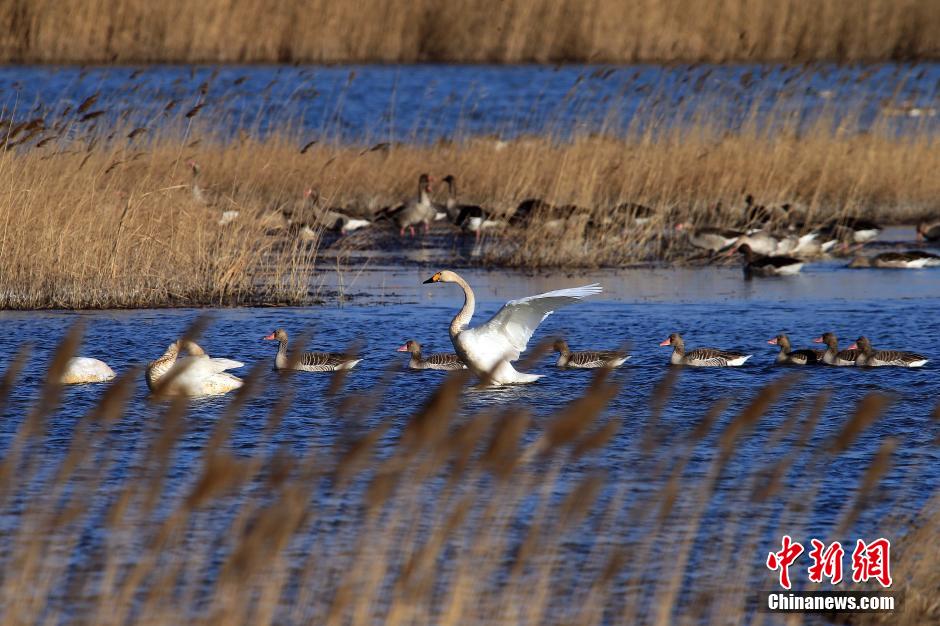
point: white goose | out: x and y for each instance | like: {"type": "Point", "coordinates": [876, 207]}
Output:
{"type": "Point", "coordinates": [192, 376]}
{"type": "Point", "coordinates": [489, 349]}
{"type": "Point", "coordinates": [82, 369]}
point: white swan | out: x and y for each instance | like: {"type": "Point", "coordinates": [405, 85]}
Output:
{"type": "Point", "coordinates": [489, 348]}
{"type": "Point", "coordinates": [82, 369]}
{"type": "Point", "coordinates": [193, 376]}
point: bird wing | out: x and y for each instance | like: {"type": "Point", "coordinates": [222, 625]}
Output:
{"type": "Point", "coordinates": [514, 324]}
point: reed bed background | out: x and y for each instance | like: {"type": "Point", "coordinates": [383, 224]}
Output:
{"type": "Point", "coordinates": [104, 217]}
{"type": "Point", "coordinates": [438, 517]}
{"type": "Point", "coordinates": [491, 31]}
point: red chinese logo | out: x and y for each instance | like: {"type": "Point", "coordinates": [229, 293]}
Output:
{"type": "Point", "coordinates": [872, 560]}
{"type": "Point", "coordinates": [783, 559]}
{"type": "Point", "coordinates": [827, 562]}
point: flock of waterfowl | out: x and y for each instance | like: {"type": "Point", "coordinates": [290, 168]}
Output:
{"type": "Point", "coordinates": [773, 240]}
{"type": "Point", "coordinates": [488, 350]}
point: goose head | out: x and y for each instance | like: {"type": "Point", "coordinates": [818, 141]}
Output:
{"type": "Point", "coordinates": [862, 344]}
{"type": "Point", "coordinates": [451, 184]}
{"type": "Point", "coordinates": [675, 339]}
{"type": "Point", "coordinates": [195, 167]}
{"type": "Point", "coordinates": [424, 183]}
{"type": "Point", "coordinates": [780, 340]}
{"type": "Point", "coordinates": [411, 346]}
{"type": "Point", "coordinates": [745, 249]}
{"type": "Point", "coordinates": [829, 339]}
{"type": "Point", "coordinates": [278, 335]}
{"type": "Point", "coordinates": [561, 346]}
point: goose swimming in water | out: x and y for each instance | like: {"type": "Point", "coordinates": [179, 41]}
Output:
{"type": "Point", "coordinates": [308, 361]}
{"type": "Point", "coordinates": [786, 356]}
{"type": "Point", "coordinates": [489, 349]}
{"type": "Point", "coordinates": [439, 361]}
{"type": "Point", "coordinates": [869, 357]}
{"type": "Point", "coordinates": [929, 230]}
{"type": "Point", "coordinates": [587, 360]}
{"type": "Point", "coordinates": [768, 265]}
{"type": "Point", "coordinates": [834, 356]}
{"type": "Point", "coordinates": [912, 259]}
{"type": "Point", "coordinates": [702, 357]}
{"type": "Point", "coordinates": [81, 369]}
{"type": "Point", "coordinates": [192, 376]}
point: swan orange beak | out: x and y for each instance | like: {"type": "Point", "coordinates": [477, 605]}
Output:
{"type": "Point", "coordinates": [818, 340]}
{"type": "Point", "coordinates": [667, 342]}
{"type": "Point", "coordinates": [854, 346]}
{"type": "Point", "coordinates": [404, 348]}
{"type": "Point", "coordinates": [773, 341]}
{"type": "Point", "coordinates": [269, 337]}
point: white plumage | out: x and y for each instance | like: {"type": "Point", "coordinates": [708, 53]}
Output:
{"type": "Point", "coordinates": [81, 369]}
{"type": "Point", "coordinates": [489, 349]}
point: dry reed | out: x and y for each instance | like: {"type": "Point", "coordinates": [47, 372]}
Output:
{"type": "Point", "coordinates": [514, 31]}
{"type": "Point", "coordinates": [461, 521]}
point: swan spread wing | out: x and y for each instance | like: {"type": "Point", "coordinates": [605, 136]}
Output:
{"type": "Point", "coordinates": [514, 324]}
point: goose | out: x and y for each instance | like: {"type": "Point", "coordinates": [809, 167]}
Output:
{"type": "Point", "coordinates": [529, 209]}
{"type": "Point", "coordinates": [82, 369]}
{"type": "Point", "coordinates": [768, 265]}
{"type": "Point", "coordinates": [786, 356]}
{"type": "Point", "coordinates": [332, 218]}
{"type": "Point", "coordinates": [419, 210]}
{"type": "Point", "coordinates": [761, 242]}
{"type": "Point", "coordinates": [469, 217]}
{"type": "Point", "coordinates": [851, 229]}
{"type": "Point", "coordinates": [207, 197]}
{"type": "Point", "coordinates": [834, 356]}
{"type": "Point", "coordinates": [489, 349]}
{"type": "Point", "coordinates": [702, 357]}
{"type": "Point", "coordinates": [308, 361]}
{"type": "Point", "coordinates": [192, 376]}
{"type": "Point", "coordinates": [587, 360]}
{"type": "Point", "coordinates": [756, 215]}
{"type": "Point", "coordinates": [912, 259]}
{"type": "Point", "coordinates": [928, 230]}
{"type": "Point", "coordinates": [638, 214]}
{"type": "Point", "coordinates": [440, 361]}
{"type": "Point", "coordinates": [869, 357]}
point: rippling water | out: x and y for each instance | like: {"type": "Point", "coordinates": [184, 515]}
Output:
{"type": "Point", "coordinates": [710, 307]}
{"type": "Point", "coordinates": [425, 102]}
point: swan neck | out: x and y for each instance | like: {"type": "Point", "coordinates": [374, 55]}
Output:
{"type": "Point", "coordinates": [462, 319]}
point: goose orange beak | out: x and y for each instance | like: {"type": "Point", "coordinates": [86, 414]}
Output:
{"type": "Point", "coordinates": [666, 342]}
{"type": "Point", "coordinates": [818, 340]}
{"type": "Point", "coordinates": [854, 346]}
{"type": "Point", "coordinates": [404, 348]}
{"type": "Point", "coordinates": [773, 341]}
{"type": "Point", "coordinates": [269, 337]}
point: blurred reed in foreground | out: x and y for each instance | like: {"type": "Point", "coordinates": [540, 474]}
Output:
{"type": "Point", "coordinates": [438, 518]}
{"type": "Point", "coordinates": [492, 31]}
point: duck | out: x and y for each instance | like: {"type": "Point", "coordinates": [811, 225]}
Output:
{"type": "Point", "coordinates": [80, 370]}
{"type": "Point", "coordinates": [308, 361]}
{"type": "Point", "coordinates": [768, 265]}
{"type": "Point", "coordinates": [419, 210]}
{"type": "Point", "coordinates": [869, 357]}
{"type": "Point", "coordinates": [439, 361]}
{"type": "Point", "coordinates": [834, 356]}
{"type": "Point", "coordinates": [702, 357]}
{"type": "Point", "coordinates": [195, 375]}
{"type": "Point", "coordinates": [928, 230]}
{"type": "Point", "coordinates": [587, 360]}
{"type": "Point", "coordinates": [490, 348]}
{"type": "Point", "coordinates": [786, 356]}
{"type": "Point", "coordinates": [911, 259]}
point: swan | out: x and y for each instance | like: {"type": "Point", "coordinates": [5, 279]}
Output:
{"type": "Point", "coordinates": [489, 349]}
{"type": "Point", "coordinates": [192, 376]}
{"type": "Point", "coordinates": [81, 369]}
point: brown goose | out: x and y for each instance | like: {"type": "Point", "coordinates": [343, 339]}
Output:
{"type": "Point", "coordinates": [786, 356]}
{"type": "Point", "coordinates": [207, 197]}
{"type": "Point", "coordinates": [439, 361]}
{"type": "Point", "coordinates": [928, 230]}
{"type": "Point", "coordinates": [587, 360]}
{"type": "Point", "coordinates": [419, 210]}
{"type": "Point", "coordinates": [702, 357]}
{"type": "Point", "coordinates": [869, 357]}
{"type": "Point", "coordinates": [308, 361]}
{"type": "Point", "coordinates": [834, 356]}
{"type": "Point", "coordinates": [768, 265]}
{"type": "Point", "coordinates": [912, 259]}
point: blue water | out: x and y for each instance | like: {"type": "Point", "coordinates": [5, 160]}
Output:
{"type": "Point", "coordinates": [429, 102]}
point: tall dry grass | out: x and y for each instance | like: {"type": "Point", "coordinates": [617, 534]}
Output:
{"type": "Point", "coordinates": [449, 519]}
{"type": "Point", "coordinates": [604, 31]}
